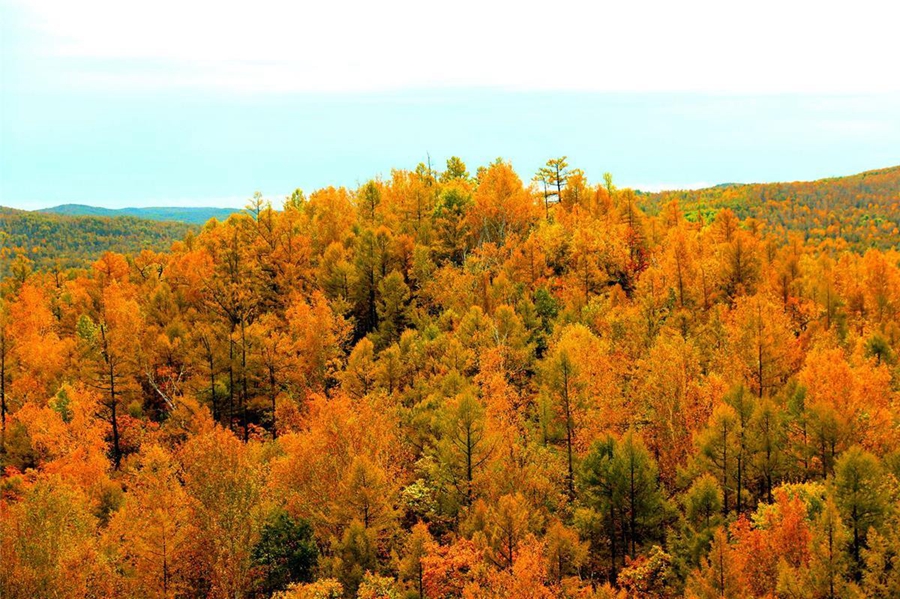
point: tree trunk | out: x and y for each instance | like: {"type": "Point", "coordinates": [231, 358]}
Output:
{"type": "Point", "coordinates": [272, 395]}
{"type": "Point", "coordinates": [631, 501]}
{"type": "Point", "coordinates": [231, 379]}
{"type": "Point", "coordinates": [244, 394]}
{"type": "Point", "coordinates": [570, 476]}
{"type": "Point", "coordinates": [2, 391]}
{"type": "Point", "coordinates": [117, 452]}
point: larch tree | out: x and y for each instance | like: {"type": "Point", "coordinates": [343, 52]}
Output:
{"type": "Point", "coordinates": [859, 497]}
{"type": "Point", "coordinates": [465, 444]}
{"type": "Point", "coordinates": [553, 176]}
{"type": "Point", "coordinates": [154, 528]}
{"type": "Point", "coordinates": [719, 446]}
{"type": "Point", "coordinates": [223, 481]}
{"type": "Point", "coordinates": [110, 343]}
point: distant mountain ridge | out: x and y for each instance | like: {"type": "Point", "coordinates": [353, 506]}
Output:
{"type": "Point", "coordinates": [190, 215]}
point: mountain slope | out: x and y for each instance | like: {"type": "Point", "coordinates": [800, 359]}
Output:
{"type": "Point", "coordinates": [862, 209]}
{"type": "Point", "coordinates": [74, 241]}
{"type": "Point", "coordinates": [195, 216]}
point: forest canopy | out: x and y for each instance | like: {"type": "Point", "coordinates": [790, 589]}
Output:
{"type": "Point", "coordinates": [456, 383]}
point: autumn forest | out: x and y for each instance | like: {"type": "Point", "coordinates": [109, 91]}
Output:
{"type": "Point", "coordinates": [459, 384]}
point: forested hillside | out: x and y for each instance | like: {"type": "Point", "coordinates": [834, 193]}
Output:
{"type": "Point", "coordinates": [859, 211]}
{"type": "Point", "coordinates": [453, 384]}
{"type": "Point", "coordinates": [48, 241]}
{"type": "Point", "coordinates": [195, 216]}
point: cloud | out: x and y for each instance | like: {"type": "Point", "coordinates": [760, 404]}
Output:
{"type": "Point", "coordinates": [769, 46]}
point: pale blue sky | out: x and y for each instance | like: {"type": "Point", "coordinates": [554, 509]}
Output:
{"type": "Point", "coordinates": [114, 109]}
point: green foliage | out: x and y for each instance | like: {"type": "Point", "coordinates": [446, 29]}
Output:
{"type": "Point", "coordinates": [860, 497]}
{"type": "Point", "coordinates": [286, 553]}
{"type": "Point", "coordinates": [354, 556]}
{"type": "Point", "coordinates": [703, 503]}
{"type": "Point", "coordinates": [620, 484]}
{"type": "Point", "coordinates": [53, 241]}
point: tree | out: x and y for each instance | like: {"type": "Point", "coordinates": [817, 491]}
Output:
{"type": "Point", "coordinates": [227, 294]}
{"type": "Point", "coordinates": [372, 263]}
{"type": "Point", "coordinates": [5, 346]}
{"type": "Point", "coordinates": [154, 527]}
{"type": "Point", "coordinates": [286, 553]}
{"type": "Point", "coordinates": [719, 447]}
{"type": "Point", "coordinates": [608, 183]}
{"type": "Point", "coordinates": [553, 176]}
{"type": "Point", "coordinates": [324, 588]}
{"type": "Point", "coordinates": [456, 170]}
{"type": "Point", "coordinates": [577, 191]}
{"type": "Point", "coordinates": [826, 436]}
{"type": "Point", "coordinates": [634, 240]}
{"type": "Point", "coordinates": [858, 496]}
{"type": "Point", "coordinates": [377, 587]}
{"type": "Point", "coordinates": [776, 539]}
{"type": "Point", "coordinates": [649, 576]}
{"type": "Point", "coordinates": [881, 574]}
{"type": "Point", "coordinates": [620, 483]}
{"type": "Point", "coordinates": [393, 299]}
{"type": "Point", "coordinates": [111, 344]}
{"type": "Point", "coordinates": [563, 378]}
{"type": "Point", "coordinates": [276, 358]}
{"type": "Point", "coordinates": [506, 525]}
{"type": "Point", "coordinates": [223, 480]}
{"type": "Point", "coordinates": [368, 200]}
{"type": "Point", "coordinates": [449, 569]}
{"type": "Point", "coordinates": [33, 349]}
{"type": "Point", "coordinates": [451, 225]}
{"type": "Point", "coordinates": [765, 344]}
{"type": "Point", "coordinates": [527, 578]}
{"type": "Point", "coordinates": [501, 205]}
{"type": "Point", "coordinates": [703, 503]}
{"type": "Point", "coordinates": [718, 576]}
{"type": "Point", "coordinates": [766, 440]}
{"type": "Point", "coordinates": [672, 402]}
{"type": "Point", "coordinates": [65, 437]}
{"type": "Point", "coordinates": [828, 563]}
{"type": "Point", "coordinates": [355, 555]}
{"type": "Point", "coordinates": [412, 567]}
{"type": "Point", "coordinates": [48, 545]}
{"type": "Point", "coordinates": [564, 550]}
{"type": "Point", "coordinates": [208, 341]}
{"type": "Point", "coordinates": [359, 374]}
{"type": "Point", "coordinates": [331, 214]}
{"type": "Point", "coordinates": [741, 261]}
{"type": "Point", "coordinates": [465, 444]}
{"type": "Point", "coordinates": [318, 339]}
{"type": "Point", "coordinates": [368, 496]}
{"type": "Point", "coordinates": [643, 502]}
{"type": "Point", "coordinates": [424, 387]}
{"type": "Point", "coordinates": [681, 253]}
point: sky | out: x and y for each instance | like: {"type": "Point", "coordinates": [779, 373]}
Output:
{"type": "Point", "coordinates": [190, 103]}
